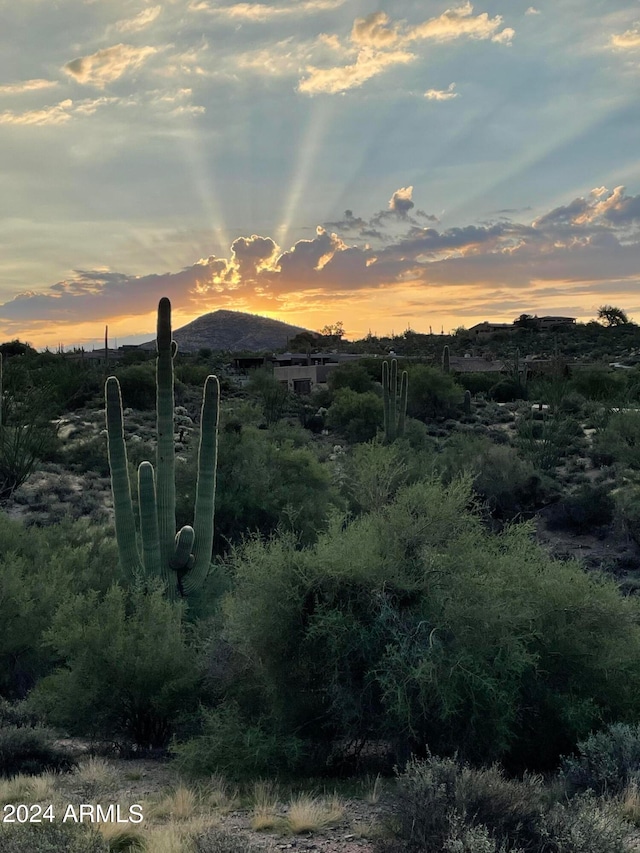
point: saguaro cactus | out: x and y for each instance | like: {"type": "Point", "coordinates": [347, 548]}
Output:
{"type": "Point", "coordinates": [182, 559]}
{"type": "Point", "coordinates": [394, 401]}
{"type": "Point", "coordinates": [446, 366]}
{"type": "Point", "coordinates": [466, 404]}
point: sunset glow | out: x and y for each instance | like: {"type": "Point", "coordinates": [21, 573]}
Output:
{"type": "Point", "coordinates": [413, 166]}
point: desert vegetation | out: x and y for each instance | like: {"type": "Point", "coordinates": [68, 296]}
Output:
{"type": "Point", "coordinates": [409, 624]}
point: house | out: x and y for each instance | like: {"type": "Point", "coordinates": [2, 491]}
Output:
{"type": "Point", "coordinates": [555, 322]}
{"type": "Point", "coordinates": [96, 356]}
{"type": "Point", "coordinates": [303, 378]}
{"type": "Point", "coordinates": [486, 329]}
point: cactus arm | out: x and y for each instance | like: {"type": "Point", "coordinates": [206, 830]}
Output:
{"type": "Point", "coordinates": [206, 484]}
{"type": "Point", "coordinates": [404, 389]}
{"type": "Point", "coordinates": [149, 523]}
{"type": "Point", "coordinates": [385, 398]}
{"type": "Point", "coordinates": [165, 454]}
{"type": "Point", "coordinates": [123, 508]}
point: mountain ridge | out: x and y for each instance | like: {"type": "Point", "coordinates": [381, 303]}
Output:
{"type": "Point", "coordinates": [232, 331]}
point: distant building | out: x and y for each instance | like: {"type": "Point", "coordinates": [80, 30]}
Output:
{"type": "Point", "coordinates": [303, 378]}
{"type": "Point", "coordinates": [96, 356]}
{"type": "Point", "coordinates": [554, 322]}
{"type": "Point", "coordinates": [486, 329]}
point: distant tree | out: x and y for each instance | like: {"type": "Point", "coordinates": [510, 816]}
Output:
{"type": "Point", "coordinates": [16, 347]}
{"type": "Point", "coordinates": [304, 341]}
{"type": "Point", "coordinates": [335, 330]}
{"type": "Point", "coordinates": [526, 321]}
{"type": "Point", "coordinates": [612, 316]}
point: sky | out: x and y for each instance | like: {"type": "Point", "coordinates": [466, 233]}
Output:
{"type": "Point", "coordinates": [389, 165]}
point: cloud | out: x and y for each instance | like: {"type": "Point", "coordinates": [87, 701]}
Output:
{"type": "Point", "coordinates": [587, 248]}
{"type": "Point", "coordinates": [259, 12]}
{"type": "Point", "coordinates": [532, 11]}
{"type": "Point", "coordinates": [341, 78]}
{"type": "Point", "coordinates": [378, 44]}
{"type": "Point", "coordinates": [140, 21]}
{"type": "Point", "coordinates": [108, 64]}
{"type": "Point", "coordinates": [459, 22]}
{"type": "Point", "coordinates": [629, 40]}
{"type": "Point", "coordinates": [57, 114]}
{"type": "Point", "coordinates": [27, 86]}
{"type": "Point", "coordinates": [441, 94]}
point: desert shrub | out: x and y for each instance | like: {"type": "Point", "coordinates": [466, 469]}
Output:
{"type": "Point", "coordinates": [125, 671]}
{"type": "Point", "coordinates": [392, 627]}
{"type": "Point", "coordinates": [350, 375]}
{"type": "Point", "coordinates": [138, 385]}
{"type": "Point", "coordinates": [606, 761]}
{"type": "Point", "coordinates": [272, 394]}
{"type": "Point", "coordinates": [37, 573]}
{"type": "Point", "coordinates": [445, 805]}
{"type": "Point", "coordinates": [266, 480]}
{"type": "Point", "coordinates": [236, 747]}
{"type": "Point", "coordinates": [547, 441]}
{"type": "Point", "coordinates": [477, 383]}
{"type": "Point", "coordinates": [509, 484]}
{"type": "Point", "coordinates": [30, 750]}
{"type": "Point", "coordinates": [619, 441]}
{"type": "Point", "coordinates": [56, 837]}
{"type": "Point", "coordinates": [440, 798]}
{"type": "Point", "coordinates": [432, 393]}
{"type": "Point", "coordinates": [589, 507]}
{"type": "Point", "coordinates": [599, 383]}
{"type": "Point", "coordinates": [507, 389]}
{"type": "Point", "coordinates": [357, 416]}
{"type": "Point", "coordinates": [192, 374]}
{"type": "Point", "coordinates": [87, 455]}
{"type": "Point", "coordinates": [374, 473]}
{"type": "Point", "coordinates": [627, 510]}
{"type": "Point", "coordinates": [584, 825]}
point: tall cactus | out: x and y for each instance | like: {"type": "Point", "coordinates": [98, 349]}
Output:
{"type": "Point", "coordinates": [182, 560]}
{"type": "Point", "coordinates": [446, 366]}
{"type": "Point", "coordinates": [466, 403]}
{"type": "Point", "coordinates": [394, 402]}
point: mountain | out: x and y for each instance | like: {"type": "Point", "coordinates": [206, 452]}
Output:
{"type": "Point", "coordinates": [234, 331]}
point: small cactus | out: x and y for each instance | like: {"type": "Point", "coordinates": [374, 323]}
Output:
{"type": "Point", "coordinates": [182, 560]}
{"type": "Point", "coordinates": [394, 401]}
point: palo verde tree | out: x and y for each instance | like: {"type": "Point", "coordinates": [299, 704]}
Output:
{"type": "Point", "coordinates": [182, 560]}
{"type": "Point", "coordinates": [612, 316]}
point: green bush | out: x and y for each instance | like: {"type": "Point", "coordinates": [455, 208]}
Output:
{"type": "Point", "coordinates": [432, 393]}
{"type": "Point", "coordinates": [126, 672]}
{"type": "Point", "coordinates": [350, 375]}
{"type": "Point", "coordinates": [599, 383]}
{"type": "Point", "coordinates": [619, 441]}
{"type": "Point", "coordinates": [589, 507]}
{"type": "Point", "coordinates": [358, 416]}
{"type": "Point", "coordinates": [444, 805]}
{"type": "Point", "coordinates": [48, 837]}
{"type": "Point", "coordinates": [237, 748]}
{"type": "Point", "coordinates": [138, 385]}
{"type": "Point", "coordinates": [265, 481]}
{"type": "Point", "coordinates": [605, 762]}
{"type": "Point", "coordinates": [509, 485]}
{"type": "Point", "coordinates": [392, 627]}
{"type": "Point", "coordinates": [37, 573]}
{"type": "Point", "coordinates": [30, 750]}
{"type": "Point", "coordinates": [440, 800]}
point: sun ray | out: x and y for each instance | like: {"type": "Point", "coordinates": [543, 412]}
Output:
{"type": "Point", "coordinates": [322, 111]}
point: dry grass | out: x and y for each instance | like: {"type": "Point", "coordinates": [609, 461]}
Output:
{"type": "Point", "coordinates": [168, 839]}
{"type": "Point", "coordinates": [219, 795]}
{"type": "Point", "coordinates": [121, 838]}
{"type": "Point", "coordinates": [630, 803]}
{"type": "Point", "coordinates": [265, 806]}
{"type": "Point", "coordinates": [43, 787]}
{"type": "Point", "coordinates": [373, 789]}
{"type": "Point", "coordinates": [96, 773]}
{"type": "Point", "coordinates": [310, 814]}
{"type": "Point", "coordinates": [181, 804]}
{"type": "Point", "coordinates": [15, 790]}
